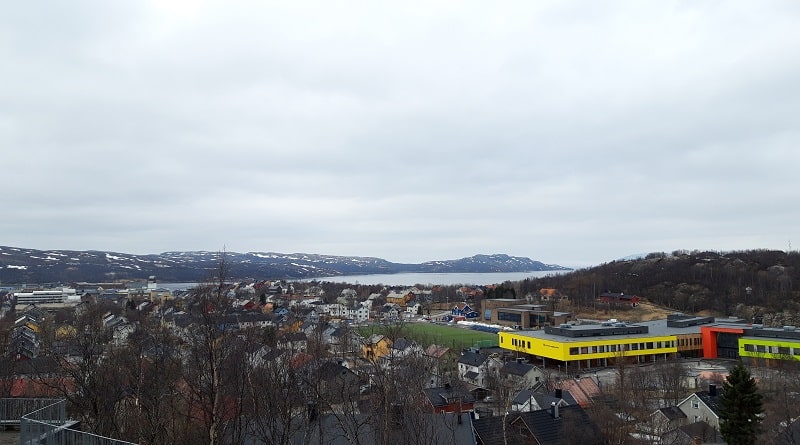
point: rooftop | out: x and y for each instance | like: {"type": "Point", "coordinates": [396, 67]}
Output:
{"type": "Point", "coordinates": [656, 328]}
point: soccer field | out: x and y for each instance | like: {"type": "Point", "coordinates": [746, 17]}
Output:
{"type": "Point", "coordinates": [429, 333]}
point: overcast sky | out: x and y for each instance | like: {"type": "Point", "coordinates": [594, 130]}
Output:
{"type": "Point", "coordinates": [572, 133]}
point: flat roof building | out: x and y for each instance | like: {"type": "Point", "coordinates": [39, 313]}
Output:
{"type": "Point", "coordinates": [582, 346]}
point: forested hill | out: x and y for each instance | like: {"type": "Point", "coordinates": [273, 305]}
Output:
{"type": "Point", "coordinates": [691, 281]}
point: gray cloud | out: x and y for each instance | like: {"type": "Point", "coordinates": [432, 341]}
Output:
{"type": "Point", "coordinates": [568, 132]}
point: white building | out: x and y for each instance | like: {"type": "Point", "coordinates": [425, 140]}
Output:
{"type": "Point", "coordinates": [50, 296]}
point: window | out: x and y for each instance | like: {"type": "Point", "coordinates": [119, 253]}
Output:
{"type": "Point", "coordinates": [529, 345]}
{"type": "Point", "coordinates": [761, 348]}
{"type": "Point", "coordinates": [573, 351]}
{"type": "Point", "coordinates": [506, 316]}
{"type": "Point", "coordinates": [695, 404]}
{"type": "Point", "coordinates": [649, 345]}
{"type": "Point", "coordinates": [584, 350]}
{"type": "Point", "coordinates": [783, 350]}
{"type": "Point", "coordinates": [749, 348]}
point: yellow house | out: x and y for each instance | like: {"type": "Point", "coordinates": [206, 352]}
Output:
{"type": "Point", "coordinates": [375, 347]}
{"type": "Point", "coordinates": [400, 298]}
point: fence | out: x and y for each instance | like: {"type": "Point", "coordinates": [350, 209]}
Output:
{"type": "Point", "coordinates": [12, 409]}
{"type": "Point", "coordinates": [48, 425]}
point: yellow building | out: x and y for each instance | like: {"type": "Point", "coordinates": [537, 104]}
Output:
{"type": "Point", "coordinates": [765, 351]}
{"type": "Point", "coordinates": [577, 347]}
{"type": "Point", "coordinates": [400, 298]}
{"type": "Point", "coordinates": [375, 347]}
{"type": "Point", "coordinates": [581, 346]}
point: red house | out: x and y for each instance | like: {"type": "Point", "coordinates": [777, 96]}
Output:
{"type": "Point", "coordinates": [618, 299]}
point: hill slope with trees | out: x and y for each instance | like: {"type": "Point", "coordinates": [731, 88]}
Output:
{"type": "Point", "coordinates": [725, 283]}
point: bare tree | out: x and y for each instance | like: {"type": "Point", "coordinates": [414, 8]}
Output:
{"type": "Point", "coordinates": [151, 367]}
{"type": "Point", "coordinates": [210, 347]}
{"type": "Point", "coordinates": [91, 384]}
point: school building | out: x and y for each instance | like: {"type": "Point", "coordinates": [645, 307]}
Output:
{"type": "Point", "coordinates": [577, 347]}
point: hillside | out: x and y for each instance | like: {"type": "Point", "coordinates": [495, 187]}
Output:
{"type": "Point", "coordinates": [18, 265]}
{"type": "Point", "coordinates": [721, 282]}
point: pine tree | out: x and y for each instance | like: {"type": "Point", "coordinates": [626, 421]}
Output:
{"type": "Point", "coordinates": [740, 407]}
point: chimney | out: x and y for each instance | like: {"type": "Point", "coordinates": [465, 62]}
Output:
{"type": "Point", "coordinates": [397, 414]}
{"type": "Point", "coordinates": [313, 413]}
{"type": "Point", "coordinates": [712, 390]}
{"type": "Point", "coordinates": [459, 419]}
{"type": "Point", "coordinates": [559, 393]}
{"type": "Point", "coordinates": [554, 409]}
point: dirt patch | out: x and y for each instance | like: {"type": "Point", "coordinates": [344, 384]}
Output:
{"type": "Point", "coordinates": [642, 312]}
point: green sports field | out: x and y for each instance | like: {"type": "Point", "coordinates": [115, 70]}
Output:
{"type": "Point", "coordinates": [429, 333]}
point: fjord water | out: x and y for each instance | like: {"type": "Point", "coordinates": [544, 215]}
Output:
{"type": "Point", "coordinates": [411, 279]}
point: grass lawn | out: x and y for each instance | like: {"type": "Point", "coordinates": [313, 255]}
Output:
{"type": "Point", "coordinates": [427, 333]}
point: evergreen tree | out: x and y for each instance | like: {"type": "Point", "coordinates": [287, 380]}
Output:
{"type": "Point", "coordinates": [740, 407]}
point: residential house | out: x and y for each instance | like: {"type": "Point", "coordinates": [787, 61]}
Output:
{"type": "Point", "coordinates": [413, 309]}
{"type": "Point", "coordinates": [390, 312]}
{"type": "Point", "coordinates": [519, 374]}
{"type": "Point", "coordinates": [618, 299]}
{"type": "Point", "coordinates": [463, 310]}
{"type": "Point", "coordinates": [348, 293]}
{"type": "Point", "coordinates": [548, 295]}
{"type": "Point", "coordinates": [293, 341]}
{"type": "Point", "coordinates": [335, 383]}
{"type": "Point", "coordinates": [358, 312]}
{"type": "Point", "coordinates": [474, 367]}
{"type": "Point", "coordinates": [265, 355]}
{"type": "Point", "coordinates": [449, 399]}
{"type": "Point", "coordinates": [703, 406]}
{"type": "Point", "coordinates": [375, 347]}
{"type": "Point", "coordinates": [401, 298]}
{"type": "Point", "coordinates": [583, 390]}
{"type": "Point", "coordinates": [342, 340]}
{"type": "Point", "coordinates": [692, 434]}
{"type": "Point", "coordinates": [439, 361]}
{"type": "Point", "coordinates": [121, 332]}
{"type": "Point", "coordinates": [402, 348]}
{"type": "Point", "coordinates": [553, 426]}
{"type": "Point", "coordinates": [663, 420]}
{"type": "Point", "coordinates": [255, 319]}
{"type": "Point", "coordinates": [335, 310]}
{"type": "Point", "coordinates": [537, 399]}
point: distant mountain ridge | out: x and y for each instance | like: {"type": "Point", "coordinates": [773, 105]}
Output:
{"type": "Point", "coordinates": [20, 265]}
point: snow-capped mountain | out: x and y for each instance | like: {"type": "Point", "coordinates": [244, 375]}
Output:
{"type": "Point", "coordinates": [19, 265]}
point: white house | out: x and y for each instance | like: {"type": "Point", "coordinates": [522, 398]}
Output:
{"type": "Point", "coordinates": [413, 309]}
{"type": "Point", "coordinates": [358, 313]}
{"type": "Point", "coordinates": [475, 367]}
{"type": "Point", "coordinates": [702, 406]}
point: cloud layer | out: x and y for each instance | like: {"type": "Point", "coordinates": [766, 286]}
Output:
{"type": "Point", "coordinates": [571, 133]}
